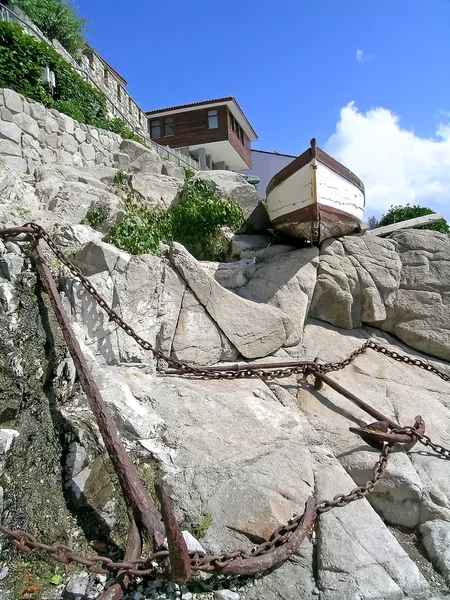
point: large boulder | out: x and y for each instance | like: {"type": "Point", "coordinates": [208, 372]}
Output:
{"type": "Point", "coordinates": [356, 276]}
{"type": "Point", "coordinates": [229, 184]}
{"type": "Point", "coordinates": [73, 202]}
{"type": "Point", "coordinates": [157, 191]}
{"type": "Point", "coordinates": [254, 329]}
{"type": "Point", "coordinates": [145, 290]}
{"type": "Point", "coordinates": [398, 284]}
{"type": "Point", "coordinates": [197, 338]}
{"type": "Point", "coordinates": [18, 199]}
{"type": "Point", "coordinates": [238, 463]}
{"type": "Point", "coordinates": [419, 311]}
{"type": "Point", "coordinates": [286, 282]}
{"type": "Point", "coordinates": [142, 160]}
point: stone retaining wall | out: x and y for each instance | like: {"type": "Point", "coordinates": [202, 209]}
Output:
{"type": "Point", "coordinates": [91, 67]}
{"type": "Point", "coordinates": [31, 135]}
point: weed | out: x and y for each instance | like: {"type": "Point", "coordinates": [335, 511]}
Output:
{"type": "Point", "coordinates": [95, 216]}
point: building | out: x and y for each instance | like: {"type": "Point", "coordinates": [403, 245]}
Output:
{"type": "Point", "coordinates": [265, 165]}
{"type": "Point", "coordinates": [216, 132]}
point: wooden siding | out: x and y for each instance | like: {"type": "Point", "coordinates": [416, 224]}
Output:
{"type": "Point", "coordinates": [243, 149]}
{"type": "Point", "coordinates": [191, 129]}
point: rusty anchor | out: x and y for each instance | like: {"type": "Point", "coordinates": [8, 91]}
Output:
{"type": "Point", "coordinates": [380, 432]}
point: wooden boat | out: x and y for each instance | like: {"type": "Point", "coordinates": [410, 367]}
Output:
{"type": "Point", "coordinates": [315, 197]}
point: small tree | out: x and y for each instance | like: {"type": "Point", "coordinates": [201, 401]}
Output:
{"type": "Point", "coordinates": [397, 214]}
{"type": "Point", "coordinates": [57, 19]}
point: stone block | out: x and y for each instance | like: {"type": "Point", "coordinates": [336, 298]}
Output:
{"type": "Point", "coordinates": [31, 148]}
{"type": "Point", "coordinates": [65, 158]}
{"type": "Point", "coordinates": [69, 143]}
{"type": "Point", "coordinates": [142, 160]}
{"type": "Point", "coordinates": [122, 161]}
{"type": "Point", "coordinates": [10, 148]}
{"type": "Point", "coordinates": [6, 114]}
{"type": "Point", "coordinates": [240, 320]}
{"type": "Point", "coordinates": [77, 586]}
{"type": "Point", "coordinates": [50, 124]}
{"type": "Point", "coordinates": [94, 133]}
{"type": "Point", "coordinates": [27, 124]}
{"type": "Point", "coordinates": [51, 140]}
{"type": "Point", "coordinates": [48, 156]}
{"type": "Point", "coordinates": [38, 111]}
{"type": "Point", "coordinates": [13, 101]}
{"type": "Point", "coordinates": [78, 160]}
{"type": "Point", "coordinates": [70, 125]}
{"type": "Point", "coordinates": [16, 163]}
{"type": "Point", "coordinates": [87, 151]}
{"type": "Point", "coordinates": [80, 135]}
{"type": "Point", "coordinates": [226, 595]}
{"type": "Point", "coordinates": [172, 170]}
{"type": "Point", "coordinates": [10, 131]}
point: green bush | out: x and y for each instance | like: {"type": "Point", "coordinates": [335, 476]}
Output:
{"type": "Point", "coordinates": [57, 19]}
{"type": "Point", "coordinates": [397, 214]}
{"type": "Point", "coordinates": [197, 220]}
{"type": "Point", "coordinates": [195, 223]}
{"type": "Point", "coordinates": [22, 62]}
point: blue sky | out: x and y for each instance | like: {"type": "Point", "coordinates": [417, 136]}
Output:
{"type": "Point", "coordinates": [294, 66]}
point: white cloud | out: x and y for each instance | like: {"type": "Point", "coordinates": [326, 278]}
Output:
{"type": "Point", "coordinates": [395, 165]}
{"type": "Point", "coordinates": [361, 56]}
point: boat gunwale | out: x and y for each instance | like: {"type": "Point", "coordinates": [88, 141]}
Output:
{"type": "Point", "coordinates": [304, 159]}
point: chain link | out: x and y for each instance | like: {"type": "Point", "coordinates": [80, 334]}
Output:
{"type": "Point", "coordinates": [263, 370]}
{"type": "Point", "coordinates": [215, 563]}
{"type": "Point", "coordinates": [361, 491]}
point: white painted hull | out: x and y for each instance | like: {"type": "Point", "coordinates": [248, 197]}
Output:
{"type": "Point", "coordinates": [315, 201]}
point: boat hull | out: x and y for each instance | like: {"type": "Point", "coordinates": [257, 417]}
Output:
{"type": "Point", "coordinates": [315, 198]}
{"type": "Point", "coordinates": [316, 224]}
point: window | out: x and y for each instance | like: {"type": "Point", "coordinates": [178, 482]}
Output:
{"type": "Point", "coordinates": [168, 126]}
{"type": "Point", "coordinates": [213, 119]}
{"type": "Point", "coordinates": [233, 123]}
{"type": "Point", "coordinates": [130, 104]}
{"type": "Point", "coordinates": [106, 76]}
{"type": "Point", "coordinates": [155, 129]}
{"type": "Point", "coordinates": [119, 92]}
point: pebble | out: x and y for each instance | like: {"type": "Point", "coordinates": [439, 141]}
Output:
{"type": "Point", "coordinates": [4, 572]}
{"type": "Point", "coordinates": [77, 585]}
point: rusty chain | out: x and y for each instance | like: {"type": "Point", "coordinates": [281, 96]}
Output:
{"type": "Point", "coordinates": [264, 370]}
{"type": "Point", "coordinates": [361, 491]}
{"type": "Point", "coordinates": [199, 561]}
{"type": "Point", "coordinates": [283, 534]}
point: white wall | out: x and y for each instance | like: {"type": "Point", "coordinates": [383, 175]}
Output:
{"type": "Point", "coordinates": [265, 165]}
